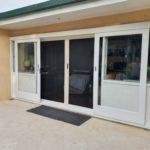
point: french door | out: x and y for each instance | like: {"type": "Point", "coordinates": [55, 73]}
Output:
{"type": "Point", "coordinates": [120, 75]}
{"type": "Point", "coordinates": [27, 66]}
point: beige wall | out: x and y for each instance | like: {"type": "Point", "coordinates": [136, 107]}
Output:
{"type": "Point", "coordinates": [4, 66]}
{"type": "Point", "coordinates": [125, 18]}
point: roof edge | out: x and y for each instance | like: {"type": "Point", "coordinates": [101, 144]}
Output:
{"type": "Point", "coordinates": [36, 8]}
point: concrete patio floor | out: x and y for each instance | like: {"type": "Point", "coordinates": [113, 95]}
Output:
{"type": "Point", "coordinates": [21, 130]}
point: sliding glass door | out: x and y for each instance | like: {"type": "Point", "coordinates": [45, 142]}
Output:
{"type": "Point", "coordinates": [119, 83]}
{"type": "Point", "coordinates": [67, 71]}
{"type": "Point", "coordinates": [81, 61]}
{"type": "Point", "coordinates": [52, 70]}
{"type": "Point", "coordinates": [27, 69]}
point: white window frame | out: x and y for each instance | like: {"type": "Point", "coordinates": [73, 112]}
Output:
{"type": "Point", "coordinates": [25, 95]}
{"type": "Point", "coordinates": [135, 117]}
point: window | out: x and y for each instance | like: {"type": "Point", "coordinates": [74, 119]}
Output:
{"type": "Point", "coordinates": [26, 57]}
{"type": "Point", "coordinates": [124, 57]}
{"type": "Point", "coordinates": [13, 56]}
{"type": "Point", "coordinates": [148, 68]}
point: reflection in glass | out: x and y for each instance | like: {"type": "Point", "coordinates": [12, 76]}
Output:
{"type": "Point", "coordinates": [124, 57]}
{"type": "Point", "coordinates": [81, 72]}
{"type": "Point", "coordinates": [26, 57]}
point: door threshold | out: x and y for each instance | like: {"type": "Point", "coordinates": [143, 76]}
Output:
{"type": "Point", "coordinates": [68, 107]}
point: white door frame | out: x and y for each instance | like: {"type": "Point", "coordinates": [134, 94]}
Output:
{"type": "Point", "coordinates": [66, 105]}
{"type": "Point", "coordinates": [26, 95]}
{"type": "Point", "coordinates": [110, 112]}
{"type": "Point", "coordinates": [66, 71]}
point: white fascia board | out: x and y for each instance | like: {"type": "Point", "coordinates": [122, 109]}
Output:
{"type": "Point", "coordinates": [63, 10]}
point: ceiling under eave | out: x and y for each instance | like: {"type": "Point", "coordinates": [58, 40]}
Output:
{"type": "Point", "coordinates": [73, 13]}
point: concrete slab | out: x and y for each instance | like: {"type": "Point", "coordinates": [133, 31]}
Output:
{"type": "Point", "coordinates": [21, 130]}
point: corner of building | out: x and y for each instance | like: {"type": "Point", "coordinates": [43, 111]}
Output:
{"type": "Point", "coordinates": [5, 84]}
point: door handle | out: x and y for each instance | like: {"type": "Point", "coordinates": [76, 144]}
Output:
{"type": "Point", "coordinates": [38, 68]}
{"type": "Point", "coordinates": [67, 66]}
{"type": "Point", "coordinates": [43, 71]}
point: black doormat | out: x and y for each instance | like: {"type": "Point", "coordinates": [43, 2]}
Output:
{"type": "Point", "coordinates": [61, 115]}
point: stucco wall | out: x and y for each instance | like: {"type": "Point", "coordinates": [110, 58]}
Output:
{"type": "Point", "coordinates": [124, 18]}
{"type": "Point", "coordinates": [4, 66]}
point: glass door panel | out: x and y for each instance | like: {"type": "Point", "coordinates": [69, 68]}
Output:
{"type": "Point", "coordinates": [27, 70]}
{"type": "Point", "coordinates": [121, 83]}
{"type": "Point", "coordinates": [52, 71]}
{"type": "Point", "coordinates": [123, 55]}
{"type": "Point", "coordinates": [124, 58]}
{"type": "Point", "coordinates": [81, 72]}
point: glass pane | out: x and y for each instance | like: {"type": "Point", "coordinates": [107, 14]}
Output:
{"type": "Point", "coordinates": [52, 71]}
{"type": "Point", "coordinates": [124, 57]}
{"type": "Point", "coordinates": [81, 72]}
{"type": "Point", "coordinates": [26, 62]}
{"type": "Point", "coordinates": [148, 69]}
{"type": "Point", "coordinates": [100, 71]}
{"type": "Point", "coordinates": [13, 56]}
{"type": "Point", "coordinates": [27, 77]}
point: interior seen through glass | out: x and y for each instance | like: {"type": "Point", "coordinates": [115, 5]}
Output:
{"type": "Point", "coordinates": [124, 57]}
{"type": "Point", "coordinates": [26, 57]}
{"type": "Point", "coordinates": [81, 72]}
